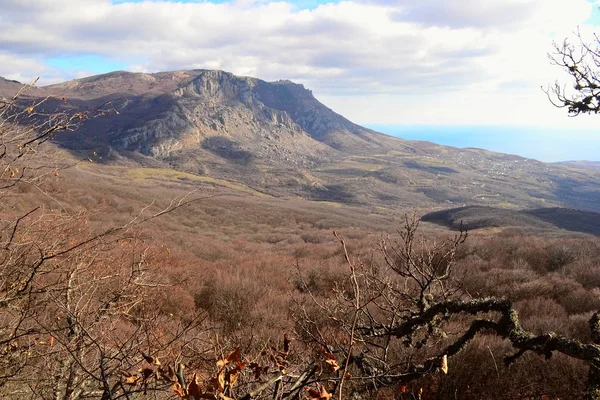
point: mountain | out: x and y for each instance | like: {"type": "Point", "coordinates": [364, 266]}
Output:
{"type": "Point", "coordinates": [164, 110]}
{"type": "Point", "coordinates": [8, 88]}
{"type": "Point", "coordinates": [278, 139]}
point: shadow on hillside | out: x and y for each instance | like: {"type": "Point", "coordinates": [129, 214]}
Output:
{"type": "Point", "coordinates": [434, 169]}
{"type": "Point", "coordinates": [333, 193]}
{"type": "Point", "coordinates": [228, 149]}
{"type": "Point", "coordinates": [477, 217]}
{"type": "Point", "coordinates": [569, 219]}
{"type": "Point", "coordinates": [577, 193]}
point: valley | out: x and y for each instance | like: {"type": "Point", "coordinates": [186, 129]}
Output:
{"type": "Point", "coordinates": [234, 211]}
{"type": "Point", "coordinates": [299, 200]}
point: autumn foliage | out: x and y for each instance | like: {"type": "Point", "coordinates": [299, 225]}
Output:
{"type": "Point", "coordinates": [157, 290]}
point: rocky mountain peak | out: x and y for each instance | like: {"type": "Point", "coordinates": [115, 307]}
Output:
{"type": "Point", "coordinates": [218, 86]}
{"type": "Point", "coordinates": [200, 120]}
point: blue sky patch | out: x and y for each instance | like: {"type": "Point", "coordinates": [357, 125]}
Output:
{"type": "Point", "coordinates": [89, 62]}
{"type": "Point", "coordinates": [595, 17]}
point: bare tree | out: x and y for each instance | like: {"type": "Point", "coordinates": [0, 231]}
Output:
{"type": "Point", "coordinates": [403, 318]}
{"type": "Point", "coordinates": [79, 316]}
{"type": "Point", "coordinates": [77, 305]}
{"type": "Point", "coordinates": [581, 60]}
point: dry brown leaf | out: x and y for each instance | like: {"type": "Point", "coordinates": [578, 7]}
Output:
{"type": "Point", "coordinates": [324, 394]}
{"type": "Point", "coordinates": [221, 380]}
{"type": "Point", "coordinates": [314, 394]}
{"type": "Point", "coordinates": [235, 356]}
{"type": "Point", "coordinates": [150, 359]}
{"type": "Point", "coordinates": [319, 394]}
{"type": "Point", "coordinates": [233, 375]}
{"type": "Point", "coordinates": [193, 388]}
{"type": "Point", "coordinates": [445, 364]}
{"type": "Point", "coordinates": [333, 365]}
{"type": "Point", "coordinates": [178, 390]}
{"type": "Point", "coordinates": [132, 380]}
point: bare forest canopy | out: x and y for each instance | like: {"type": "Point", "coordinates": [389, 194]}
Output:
{"type": "Point", "coordinates": [197, 235]}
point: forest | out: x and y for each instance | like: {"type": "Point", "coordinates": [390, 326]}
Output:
{"type": "Point", "coordinates": [159, 286]}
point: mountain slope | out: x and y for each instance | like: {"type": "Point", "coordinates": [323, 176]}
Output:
{"type": "Point", "coordinates": [593, 165]}
{"type": "Point", "coordinates": [9, 88]}
{"type": "Point", "coordinates": [208, 103]}
{"type": "Point", "coordinates": [267, 135]}
{"type": "Point", "coordinates": [276, 138]}
{"type": "Point", "coordinates": [541, 219]}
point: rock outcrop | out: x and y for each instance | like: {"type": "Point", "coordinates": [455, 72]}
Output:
{"type": "Point", "coordinates": [213, 116]}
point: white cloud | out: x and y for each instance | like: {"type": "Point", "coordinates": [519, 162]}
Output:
{"type": "Point", "coordinates": [26, 70]}
{"type": "Point", "coordinates": [451, 61]}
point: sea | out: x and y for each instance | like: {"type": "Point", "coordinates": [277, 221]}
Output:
{"type": "Point", "coordinates": [540, 143]}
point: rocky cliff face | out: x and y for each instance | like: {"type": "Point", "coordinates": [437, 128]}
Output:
{"type": "Point", "coordinates": [215, 117]}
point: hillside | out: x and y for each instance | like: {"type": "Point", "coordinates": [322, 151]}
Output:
{"type": "Point", "coordinates": [252, 258]}
{"type": "Point", "coordinates": [541, 219]}
{"type": "Point", "coordinates": [593, 165]}
{"type": "Point", "coordinates": [278, 139]}
{"type": "Point", "coordinates": [9, 87]}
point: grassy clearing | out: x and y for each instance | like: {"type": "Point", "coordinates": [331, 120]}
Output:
{"type": "Point", "coordinates": [331, 204]}
{"type": "Point", "coordinates": [140, 174]}
{"type": "Point", "coordinates": [431, 162]}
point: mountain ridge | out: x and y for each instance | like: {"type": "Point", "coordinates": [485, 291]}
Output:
{"type": "Point", "coordinates": [277, 138]}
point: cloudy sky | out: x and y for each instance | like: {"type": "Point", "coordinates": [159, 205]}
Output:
{"type": "Point", "coordinates": [383, 62]}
